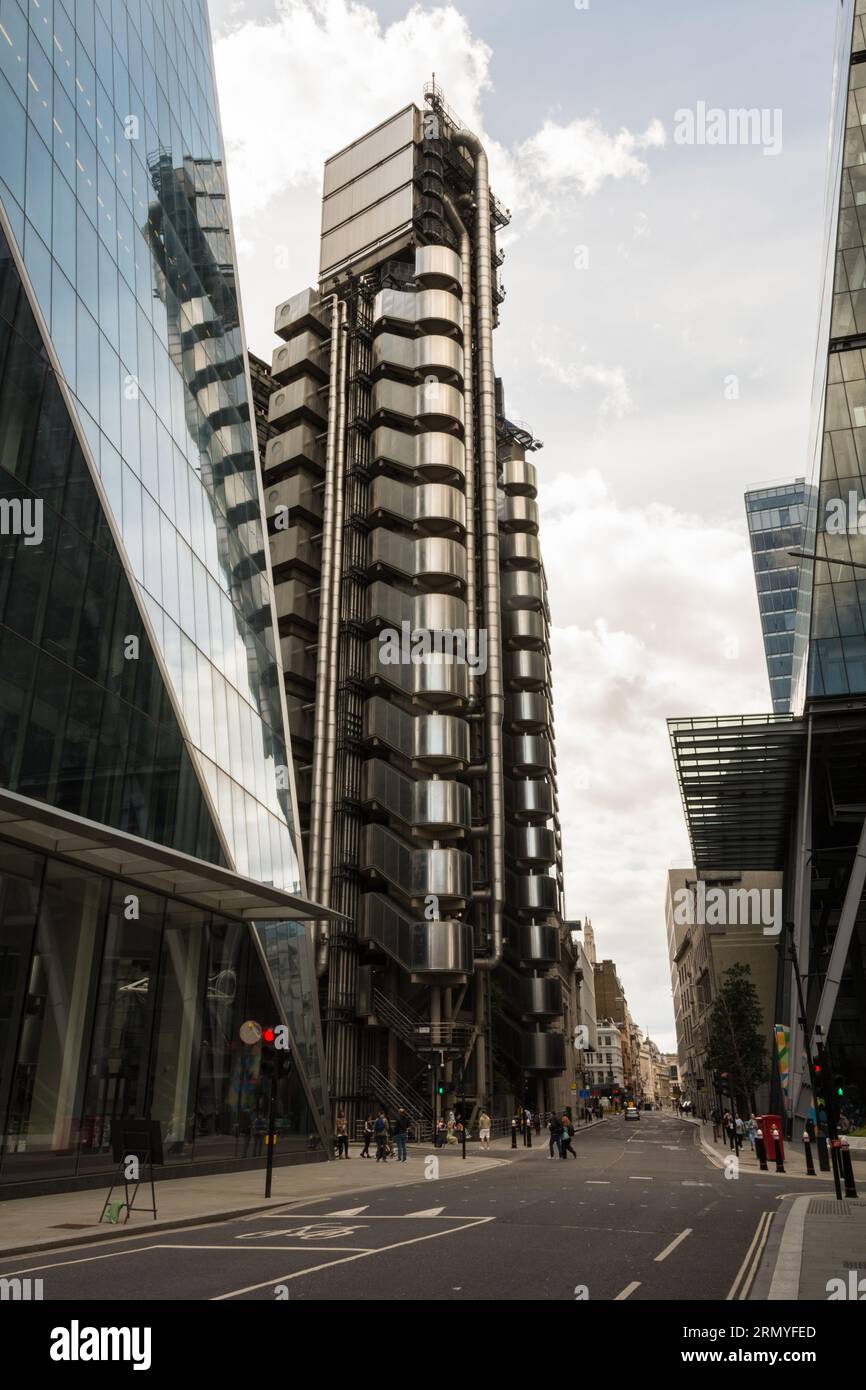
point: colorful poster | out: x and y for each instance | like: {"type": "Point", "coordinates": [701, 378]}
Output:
{"type": "Point", "coordinates": [783, 1052]}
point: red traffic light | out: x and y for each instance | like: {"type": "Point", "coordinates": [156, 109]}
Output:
{"type": "Point", "coordinates": [268, 1035]}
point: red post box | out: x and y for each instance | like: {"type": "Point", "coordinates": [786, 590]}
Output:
{"type": "Point", "coordinates": [772, 1134]}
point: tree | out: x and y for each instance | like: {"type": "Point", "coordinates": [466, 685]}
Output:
{"type": "Point", "coordinates": [736, 1042]}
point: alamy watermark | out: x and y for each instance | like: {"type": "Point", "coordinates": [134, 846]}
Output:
{"type": "Point", "coordinates": [422, 646]}
{"type": "Point", "coordinates": [738, 126]}
{"type": "Point", "coordinates": [729, 907]}
{"type": "Point", "coordinates": [22, 517]}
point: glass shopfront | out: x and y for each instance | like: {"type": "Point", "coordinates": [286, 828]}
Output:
{"type": "Point", "coordinates": [116, 1003]}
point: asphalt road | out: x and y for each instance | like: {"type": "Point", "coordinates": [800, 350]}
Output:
{"type": "Point", "coordinates": [640, 1214]}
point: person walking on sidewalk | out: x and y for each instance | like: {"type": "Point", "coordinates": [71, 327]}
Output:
{"type": "Point", "coordinates": [342, 1135]}
{"type": "Point", "coordinates": [555, 1130]}
{"type": "Point", "coordinates": [368, 1135]}
{"type": "Point", "coordinates": [717, 1120]}
{"type": "Point", "coordinates": [484, 1123]}
{"type": "Point", "coordinates": [401, 1131]}
{"type": "Point", "coordinates": [567, 1136]}
{"type": "Point", "coordinates": [380, 1129]}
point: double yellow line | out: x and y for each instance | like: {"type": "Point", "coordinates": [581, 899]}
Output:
{"type": "Point", "coordinates": [748, 1269]}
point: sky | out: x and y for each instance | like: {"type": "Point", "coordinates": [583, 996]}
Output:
{"type": "Point", "coordinates": [658, 335]}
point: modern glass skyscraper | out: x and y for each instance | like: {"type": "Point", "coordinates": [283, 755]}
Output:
{"type": "Point", "coordinates": [776, 519]}
{"type": "Point", "coordinates": [830, 646]}
{"type": "Point", "coordinates": [140, 687]}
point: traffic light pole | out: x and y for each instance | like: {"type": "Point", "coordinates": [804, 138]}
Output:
{"type": "Point", "coordinates": [828, 1104]}
{"type": "Point", "coordinates": [272, 1138]}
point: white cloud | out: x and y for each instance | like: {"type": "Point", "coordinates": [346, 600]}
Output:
{"type": "Point", "coordinates": [647, 603]}
{"type": "Point", "coordinates": [616, 397]}
{"type": "Point", "coordinates": [581, 156]}
{"type": "Point", "coordinates": [297, 88]}
{"type": "Point", "coordinates": [287, 105]}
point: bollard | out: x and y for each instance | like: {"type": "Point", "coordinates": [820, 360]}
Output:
{"type": "Point", "coordinates": [761, 1151]}
{"type": "Point", "coordinates": [807, 1145]}
{"type": "Point", "coordinates": [529, 1136]}
{"type": "Point", "coordinates": [514, 1134]}
{"type": "Point", "coordinates": [780, 1164]}
{"type": "Point", "coordinates": [847, 1169]}
{"type": "Point", "coordinates": [823, 1156]}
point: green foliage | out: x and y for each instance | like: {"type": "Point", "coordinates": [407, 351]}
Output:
{"type": "Point", "coordinates": [736, 1042]}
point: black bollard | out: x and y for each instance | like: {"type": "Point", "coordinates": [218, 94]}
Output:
{"type": "Point", "coordinates": [847, 1169]}
{"type": "Point", "coordinates": [761, 1151]}
{"type": "Point", "coordinates": [529, 1136]}
{"type": "Point", "coordinates": [823, 1156]}
{"type": "Point", "coordinates": [807, 1146]}
{"type": "Point", "coordinates": [514, 1134]}
{"type": "Point", "coordinates": [777, 1145]}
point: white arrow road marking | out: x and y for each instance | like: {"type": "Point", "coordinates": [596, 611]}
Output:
{"type": "Point", "coordinates": [350, 1211]}
{"type": "Point", "coordinates": [673, 1245]}
{"type": "Point", "coordinates": [431, 1211]}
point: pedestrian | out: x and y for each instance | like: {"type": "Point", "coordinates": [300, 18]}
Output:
{"type": "Point", "coordinates": [717, 1119]}
{"type": "Point", "coordinates": [368, 1135]}
{"type": "Point", "coordinates": [740, 1128]}
{"type": "Point", "coordinates": [537, 1123]}
{"type": "Point", "coordinates": [401, 1131]}
{"type": "Point", "coordinates": [567, 1136]}
{"type": "Point", "coordinates": [729, 1127]}
{"type": "Point", "coordinates": [484, 1123]}
{"type": "Point", "coordinates": [439, 1139]}
{"type": "Point", "coordinates": [342, 1135]}
{"type": "Point", "coordinates": [554, 1127]}
{"type": "Point", "coordinates": [751, 1130]}
{"type": "Point", "coordinates": [380, 1129]}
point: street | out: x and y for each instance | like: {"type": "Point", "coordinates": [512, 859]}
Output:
{"type": "Point", "coordinates": [640, 1214]}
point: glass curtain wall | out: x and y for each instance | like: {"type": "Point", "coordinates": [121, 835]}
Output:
{"type": "Point", "coordinates": [120, 1004]}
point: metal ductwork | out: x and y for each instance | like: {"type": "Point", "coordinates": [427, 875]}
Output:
{"type": "Point", "coordinates": [495, 703]}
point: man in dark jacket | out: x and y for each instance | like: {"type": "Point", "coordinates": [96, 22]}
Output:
{"type": "Point", "coordinates": [555, 1129]}
{"type": "Point", "coordinates": [401, 1131]}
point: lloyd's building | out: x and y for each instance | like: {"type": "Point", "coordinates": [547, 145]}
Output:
{"type": "Point", "coordinates": [152, 894]}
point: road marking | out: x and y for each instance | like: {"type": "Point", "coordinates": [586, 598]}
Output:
{"type": "Point", "coordinates": [85, 1259]}
{"type": "Point", "coordinates": [248, 1249]}
{"type": "Point", "coordinates": [752, 1258]}
{"type": "Point", "coordinates": [348, 1259]}
{"type": "Point", "coordinates": [634, 1177]}
{"type": "Point", "coordinates": [350, 1211]}
{"type": "Point", "coordinates": [430, 1211]}
{"type": "Point", "coordinates": [598, 1182]}
{"type": "Point", "coordinates": [673, 1245]}
{"type": "Point", "coordinates": [688, 1182]}
{"type": "Point", "coordinates": [627, 1291]}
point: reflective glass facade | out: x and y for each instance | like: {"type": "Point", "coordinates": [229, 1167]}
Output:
{"type": "Point", "coordinates": [830, 637]}
{"type": "Point", "coordinates": [105, 1017]}
{"type": "Point", "coordinates": [139, 681]}
{"type": "Point", "coordinates": [776, 518]}
{"type": "Point", "coordinates": [112, 183]}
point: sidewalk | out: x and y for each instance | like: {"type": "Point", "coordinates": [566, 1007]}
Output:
{"type": "Point", "coordinates": [817, 1252]}
{"type": "Point", "coordinates": [795, 1158]}
{"type": "Point", "coordinates": [67, 1218]}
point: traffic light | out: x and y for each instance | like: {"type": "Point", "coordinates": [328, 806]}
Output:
{"type": "Point", "coordinates": [275, 1051]}
{"type": "Point", "coordinates": [440, 1089]}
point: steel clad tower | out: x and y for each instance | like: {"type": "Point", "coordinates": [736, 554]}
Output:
{"type": "Point", "coordinates": [414, 627]}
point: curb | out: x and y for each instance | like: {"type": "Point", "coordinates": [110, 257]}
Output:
{"type": "Point", "coordinates": [785, 1283]}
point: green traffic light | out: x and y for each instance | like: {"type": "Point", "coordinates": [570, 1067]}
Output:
{"type": "Point", "coordinates": [840, 1091]}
